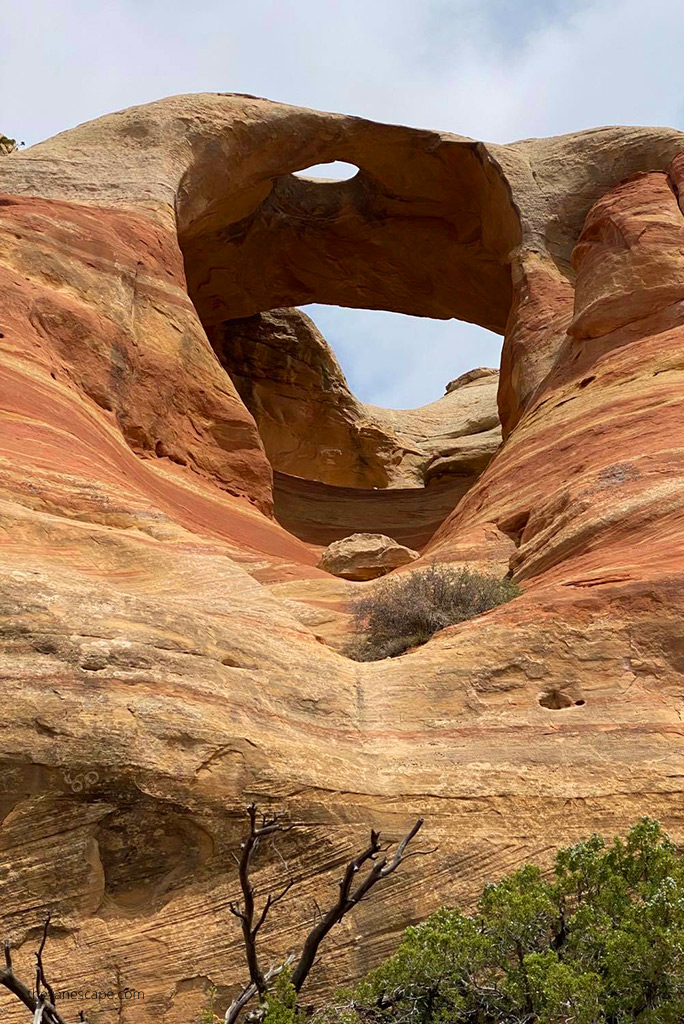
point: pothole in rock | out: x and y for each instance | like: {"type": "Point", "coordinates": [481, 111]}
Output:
{"type": "Point", "coordinates": [146, 850]}
{"type": "Point", "coordinates": [557, 700]}
{"type": "Point", "coordinates": [514, 527]}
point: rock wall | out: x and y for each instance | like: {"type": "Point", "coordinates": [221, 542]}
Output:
{"type": "Point", "coordinates": [162, 655]}
{"type": "Point", "coordinates": [321, 513]}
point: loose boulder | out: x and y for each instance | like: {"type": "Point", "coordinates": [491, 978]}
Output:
{"type": "Point", "coordinates": [364, 556]}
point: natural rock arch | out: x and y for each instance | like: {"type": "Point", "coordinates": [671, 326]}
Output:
{"type": "Point", "coordinates": [162, 635]}
{"type": "Point", "coordinates": [426, 227]}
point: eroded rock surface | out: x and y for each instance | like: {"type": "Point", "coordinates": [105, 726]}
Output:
{"type": "Point", "coordinates": [478, 373]}
{"type": "Point", "coordinates": [162, 655]}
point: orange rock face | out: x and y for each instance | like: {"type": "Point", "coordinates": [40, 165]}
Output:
{"type": "Point", "coordinates": [170, 649]}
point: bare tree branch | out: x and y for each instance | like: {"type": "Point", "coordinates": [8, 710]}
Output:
{"type": "Point", "coordinates": [246, 910]}
{"type": "Point", "coordinates": [271, 901]}
{"type": "Point", "coordinates": [40, 970]}
{"type": "Point", "coordinates": [249, 991]}
{"type": "Point", "coordinates": [40, 1003]}
{"type": "Point", "coordinates": [349, 897]}
{"type": "Point", "coordinates": [420, 853]}
{"type": "Point", "coordinates": [24, 994]}
{"type": "Point", "coordinates": [354, 886]}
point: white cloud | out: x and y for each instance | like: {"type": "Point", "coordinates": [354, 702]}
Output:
{"type": "Point", "coordinates": [493, 69]}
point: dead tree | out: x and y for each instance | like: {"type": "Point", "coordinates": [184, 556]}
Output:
{"type": "Point", "coordinates": [352, 887]}
{"type": "Point", "coordinates": [40, 1000]}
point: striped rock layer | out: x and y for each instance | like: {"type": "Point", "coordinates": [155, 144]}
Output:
{"type": "Point", "coordinates": [170, 650]}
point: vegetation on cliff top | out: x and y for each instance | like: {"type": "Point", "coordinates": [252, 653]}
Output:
{"type": "Point", "coordinates": [405, 610]}
{"type": "Point", "coordinates": [7, 145]}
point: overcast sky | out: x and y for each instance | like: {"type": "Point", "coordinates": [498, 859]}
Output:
{"type": "Point", "coordinates": [498, 70]}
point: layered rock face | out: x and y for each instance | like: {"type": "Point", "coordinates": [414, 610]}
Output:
{"type": "Point", "coordinates": [163, 636]}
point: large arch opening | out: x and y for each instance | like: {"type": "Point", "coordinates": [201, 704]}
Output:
{"type": "Point", "coordinates": [399, 362]}
{"type": "Point", "coordinates": [425, 228]}
{"type": "Point", "coordinates": [343, 466]}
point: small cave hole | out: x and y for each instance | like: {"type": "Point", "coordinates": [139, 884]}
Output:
{"type": "Point", "coordinates": [556, 700]}
{"type": "Point", "coordinates": [338, 170]}
{"type": "Point", "coordinates": [585, 382]}
{"type": "Point", "coordinates": [514, 527]}
{"type": "Point", "coordinates": [580, 703]}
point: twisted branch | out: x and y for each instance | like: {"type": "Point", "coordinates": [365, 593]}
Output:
{"type": "Point", "coordinates": [40, 1003]}
{"type": "Point", "coordinates": [349, 897]}
{"type": "Point", "coordinates": [351, 892]}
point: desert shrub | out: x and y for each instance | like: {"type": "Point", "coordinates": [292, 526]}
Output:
{"type": "Point", "coordinates": [405, 611]}
{"type": "Point", "coordinates": [600, 941]}
{"type": "Point", "coordinates": [207, 1014]}
{"type": "Point", "coordinates": [281, 1003]}
{"type": "Point", "coordinates": [8, 146]}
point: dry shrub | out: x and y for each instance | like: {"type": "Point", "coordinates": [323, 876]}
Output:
{"type": "Point", "coordinates": [405, 611]}
{"type": "Point", "coordinates": [8, 146]}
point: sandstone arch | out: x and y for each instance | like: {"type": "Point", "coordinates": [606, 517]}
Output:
{"type": "Point", "coordinates": [162, 635]}
{"type": "Point", "coordinates": [426, 227]}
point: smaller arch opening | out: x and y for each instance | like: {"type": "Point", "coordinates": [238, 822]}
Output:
{"type": "Point", "coordinates": [336, 170]}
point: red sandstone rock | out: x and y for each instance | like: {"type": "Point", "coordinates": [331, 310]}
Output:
{"type": "Point", "coordinates": [161, 634]}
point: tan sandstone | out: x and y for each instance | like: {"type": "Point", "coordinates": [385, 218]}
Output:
{"type": "Point", "coordinates": [164, 654]}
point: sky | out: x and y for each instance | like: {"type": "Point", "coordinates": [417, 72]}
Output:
{"type": "Point", "coordinates": [497, 70]}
